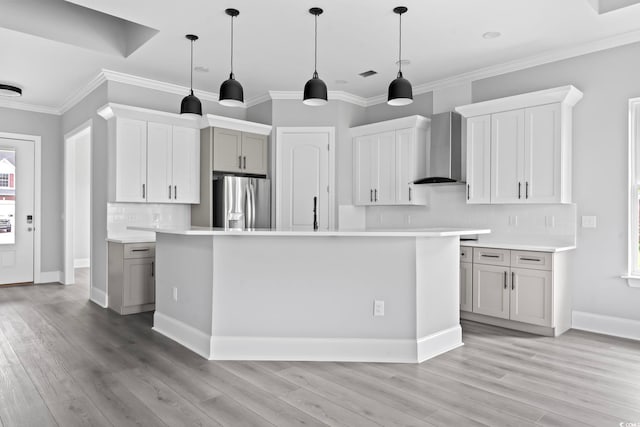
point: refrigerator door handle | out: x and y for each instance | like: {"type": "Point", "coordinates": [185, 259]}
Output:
{"type": "Point", "coordinates": [253, 205]}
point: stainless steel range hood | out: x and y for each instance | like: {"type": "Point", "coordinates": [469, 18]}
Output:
{"type": "Point", "coordinates": [445, 158]}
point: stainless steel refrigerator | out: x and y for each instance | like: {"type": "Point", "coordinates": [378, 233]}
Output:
{"type": "Point", "coordinates": [241, 202]}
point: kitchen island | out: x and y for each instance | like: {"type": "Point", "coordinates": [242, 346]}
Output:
{"type": "Point", "coordinates": [296, 295]}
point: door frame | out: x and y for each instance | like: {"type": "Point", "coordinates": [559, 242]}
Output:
{"type": "Point", "coordinates": [68, 272]}
{"type": "Point", "coordinates": [331, 131]}
{"type": "Point", "coordinates": [37, 181]}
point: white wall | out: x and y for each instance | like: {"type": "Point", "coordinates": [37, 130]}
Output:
{"type": "Point", "coordinates": [81, 199]}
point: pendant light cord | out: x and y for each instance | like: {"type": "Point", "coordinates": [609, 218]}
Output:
{"type": "Point", "coordinates": [315, 61]}
{"type": "Point", "coordinates": [232, 46]}
{"type": "Point", "coordinates": [400, 49]}
{"type": "Point", "coordinates": [191, 78]}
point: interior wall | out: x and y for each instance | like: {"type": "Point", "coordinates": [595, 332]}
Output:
{"type": "Point", "coordinates": [422, 105]}
{"type": "Point", "coordinates": [81, 200]}
{"type": "Point", "coordinates": [608, 80]}
{"type": "Point", "coordinates": [48, 127]}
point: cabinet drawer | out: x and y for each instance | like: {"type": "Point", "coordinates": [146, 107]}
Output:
{"type": "Point", "coordinates": [491, 256]}
{"type": "Point", "coordinates": [466, 254]}
{"type": "Point", "coordinates": [533, 260]}
{"type": "Point", "coordinates": [139, 250]}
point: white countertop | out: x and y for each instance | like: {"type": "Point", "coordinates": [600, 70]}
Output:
{"type": "Point", "coordinates": [422, 232]}
{"type": "Point", "coordinates": [521, 245]}
{"type": "Point", "coordinates": [132, 239]}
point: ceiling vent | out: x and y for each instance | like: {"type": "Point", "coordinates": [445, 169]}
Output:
{"type": "Point", "coordinates": [368, 73]}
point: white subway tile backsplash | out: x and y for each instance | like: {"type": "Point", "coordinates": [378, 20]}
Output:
{"type": "Point", "coordinates": [122, 215]}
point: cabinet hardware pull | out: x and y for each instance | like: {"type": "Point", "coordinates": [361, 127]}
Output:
{"type": "Point", "coordinates": [490, 256]}
{"type": "Point", "coordinates": [468, 191]}
{"type": "Point", "coordinates": [409, 193]}
{"type": "Point", "coordinates": [375, 193]}
{"type": "Point", "coordinates": [519, 186]}
{"type": "Point", "coordinates": [175, 192]}
{"type": "Point", "coordinates": [169, 192]}
{"type": "Point", "coordinates": [140, 250]}
{"type": "Point", "coordinates": [505, 279]}
{"type": "Point", "coordinates": [245, 162]}
{"type": "Point", "coordinates": [143, 192]}
{"type": "Point", "coordinates": [530, 259]}
{"type": "Point", "coordinates": [527, 190]}
{"type": "Point", "coordinates": [239, 162]}
{"type": "Point", "coordinates": [513, 280]}
{"type": "Point", "coordinates": [461, 253]}
{"type": "Point", "coordinates": [153, 268]}
{"type": "Point", "coordinates": [371, 195]}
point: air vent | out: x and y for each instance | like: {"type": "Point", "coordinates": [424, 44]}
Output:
{"type": "Point", "coordinates": [368, 73]}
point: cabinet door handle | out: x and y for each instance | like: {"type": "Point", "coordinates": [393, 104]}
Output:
{"type": "Point", "coordinates": [140, 250]}
{"type": "Point", "coordinates": [526, 191]}
{"type": "Point", "coordinates": [409, 193]}
{"type": "Point", "coordinates": [468, 191]}
{"type": "Point", "coordinates": [239, 162]}
{"type": "Point", "coordinates": [245, 161]}
{"type": "Point", "coordinates": [169, 192]}
{"type": "Point", "coordinates": [513, 280]}
{"type": "Point", "coordinates": [153, 269]}
{"type": "Point", "coordinates": [519, 188]}
{"type": "Point", "coordinates": [490, 256]}
{"type": "Point", "coordinates": [505, 279]}
{"type": "Point", "coordinates": [530, 259]}
{"type": "Point", "coordinates": [175, 192]}
{"type": "Point", "coordinates": [371, 195]}
{"type": "Point", "coordinates": [143, 192]}
{"type": "Point", "coordinates": [375, 195]}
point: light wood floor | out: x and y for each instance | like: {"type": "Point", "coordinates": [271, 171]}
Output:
{"type": "Point", "coordinates": [65, 361]}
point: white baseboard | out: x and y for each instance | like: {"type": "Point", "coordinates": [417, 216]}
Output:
{"type": "Point", "coordinates": [435, 344]}
{"type": "Point", "coordinates": [50, 277]}
{"type": "Point", "coordinates": [608, 325]}
{"type": "Point", "coordinates": [81, 263]}
{"type": "Point", "coordinates": [188, 336]}
{"type": "Point", "coordinates": [99, 297]}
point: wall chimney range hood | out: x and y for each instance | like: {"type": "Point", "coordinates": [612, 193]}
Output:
{"type": "Point", "coordinates": [445, 158]}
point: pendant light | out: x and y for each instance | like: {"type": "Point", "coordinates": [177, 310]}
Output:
{"type": "Point", "coordinates": [9, 90]}
{"type": "Point", "coordinates": [191, 104]}
{"type": "Point", "coordinates": [400, 92]}
{"type": "Point", "coordinates": [231, 93]}
{"type": "Point", "coordinates": [315, 91]}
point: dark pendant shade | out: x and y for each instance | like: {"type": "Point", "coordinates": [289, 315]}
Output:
{"type": "Point", "coordinates": [231, 93]}
{"type": "Point", "coordinates": [9, 90]}
{"type": "Point", "coordinates": [400, 92]}
{"type": "Point", "coordinates": [191, 105]}
{"type": "Point", "coordinates": [315, 92]}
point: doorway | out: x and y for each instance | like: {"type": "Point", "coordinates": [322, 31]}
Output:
{"type": "Point", "coordinates": [305, 177]}
{"type": "Point", "coordinates": [77, 206]}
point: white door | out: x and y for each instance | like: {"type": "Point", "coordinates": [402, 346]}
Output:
{"type": "Point", "coordinates": [479, 159]}
{"type": "Point", "coordinates": [16, 210]}
{"type": "Point", "coordinates": [543, 156]}
{"type": "Point", "coordinates": [507, 157]}
{"type": "Point", "coordinates": [531, 296]}
{"type": "Point", "coordinates": [491, 290]}
{"type": "Point", "coordinates": [303, 169]}
{"type": "Point", "coordinates": [186, 165]}
{"type": "Point", "coordinates": [363, 153]}
{"type": "Point", "coordinates": [159, 179]}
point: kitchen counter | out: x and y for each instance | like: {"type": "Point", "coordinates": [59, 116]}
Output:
{"type": "Point", "coordinates": [369, 296]}
{"type": "Point", "coordinates": [131, 239]}
{"type": "Point", "coordinates": [522, 245]}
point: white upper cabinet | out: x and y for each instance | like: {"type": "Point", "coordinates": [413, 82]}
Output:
{"type": "Point", "coordinates": [530, 152]}
{"type": "Point", "coordinates": [387, 158]}
{"type": "Point", "coordinates": [154, 156]}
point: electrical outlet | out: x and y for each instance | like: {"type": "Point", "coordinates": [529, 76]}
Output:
{"type": "Point", "coordinates": [408, 219]}
{"type": "Point", "coordinates": [380, 219]}
{"type": "Point", "coordinates": [175, 294]}
{"type": "Point", "coordinates": [589, 222]}
{"type": "Point", "coordinates": [513, 220]}
{"type": "Point", "coordinates": [550, 221]}
{"type": "Point", "coordinates": [378, 308]}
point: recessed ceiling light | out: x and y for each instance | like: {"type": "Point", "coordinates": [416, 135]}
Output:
{"type": "Point", "coordinates": [403, 62]}
{"type": "Point", "coordinates": [9, 90]}
{"type": "Point", "coordinates": [341, 82]}
{"type": "Point", "coordinates": [491, 35]}
{"type": "Point", "coordinates": [201, 69]}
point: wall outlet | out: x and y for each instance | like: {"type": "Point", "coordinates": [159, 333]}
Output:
{"type": "Point", "coordinates": [589, 222]}
{"type": "Point", "coordinates": [408, 219]}
{"type": "Point", "coordinates": [175, 294]}
{"type": "Point", "coordinates": [513, 220]}
{"type": "Point", "coordinates": [378, 308]}
{"type": "Point", "coordinates": [550, 221]}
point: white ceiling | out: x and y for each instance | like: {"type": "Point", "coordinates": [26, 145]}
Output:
{"type": "Point", "coordinates": [274, 42]}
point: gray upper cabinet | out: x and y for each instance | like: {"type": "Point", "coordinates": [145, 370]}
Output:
{"type": "Point", "coordinates": [239, 152]}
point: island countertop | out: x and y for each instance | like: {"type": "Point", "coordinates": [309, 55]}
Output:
{"type": "Point", "coordinates": [418, 232]}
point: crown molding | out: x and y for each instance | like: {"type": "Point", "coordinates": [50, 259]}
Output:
{"type": "Point", "coordinates": [333, 95]}
{"type": "Point", "coordinates": [258, 100]}
{"type": "Point", "coordinates": [78, 96]}
{"type": "Point", "coordinates": [5, 103]}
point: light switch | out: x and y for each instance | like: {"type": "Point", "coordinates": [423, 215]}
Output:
{"type": "Point", "coordinates": [589, 222]}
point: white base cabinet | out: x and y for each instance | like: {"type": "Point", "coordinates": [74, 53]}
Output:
{"type": "Point", "coordinates": [523, 290]}
{"type": "Point", "coordinates": [131, 277]}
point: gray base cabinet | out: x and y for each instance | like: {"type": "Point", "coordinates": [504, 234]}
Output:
{"type": "Point", "coordinates": [132, 284]}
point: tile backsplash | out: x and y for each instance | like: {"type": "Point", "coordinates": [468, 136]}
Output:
{"type": "Point", "coordinates": [122, 215]}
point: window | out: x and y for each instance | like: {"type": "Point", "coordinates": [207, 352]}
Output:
{"type": "Point", "coordinates": [633, 273]}
{"type": "Point", "coordinates": [4, 180]}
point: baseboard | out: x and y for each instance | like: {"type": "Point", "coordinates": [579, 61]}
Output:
{"type": "Point", "coordinates": [99, 297]}
{"type": "Point", "coordinates": [510, 324]}
{"type": "Point", "coordinates": [436, 344]}
{"type": "Point", "coordinates": [608, 325]}
{"type": "Point", "coordinates": [188, 336]}
{"type": "Point", "coordinates": [81, 263]}
{"type": "Point", "coordinates": [50, 277]}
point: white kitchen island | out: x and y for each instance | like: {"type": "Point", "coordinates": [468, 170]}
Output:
{"type": "Point", "coordinates": [291, 295]}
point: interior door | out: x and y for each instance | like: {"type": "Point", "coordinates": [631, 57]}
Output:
{"type": "Point", "coordinates": [303, 173]}
{"type": "Point", "coordinates": [16, 210]}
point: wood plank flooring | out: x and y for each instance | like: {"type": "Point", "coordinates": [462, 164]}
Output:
{"type": "Point", "coordinates": [65, 361]}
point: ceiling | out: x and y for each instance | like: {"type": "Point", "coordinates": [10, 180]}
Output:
{"type": "Point", "coordinates": [274, 41]}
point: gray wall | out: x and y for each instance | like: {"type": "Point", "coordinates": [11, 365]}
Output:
{"type": "Point", "coordinates": [600, 142]}
{"type": "Point", "coordinates": [82, 201]}
{"type": "Point", "coordinates": [46, 126]}
{"type": "Point", "coordinates": [422, 105]}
